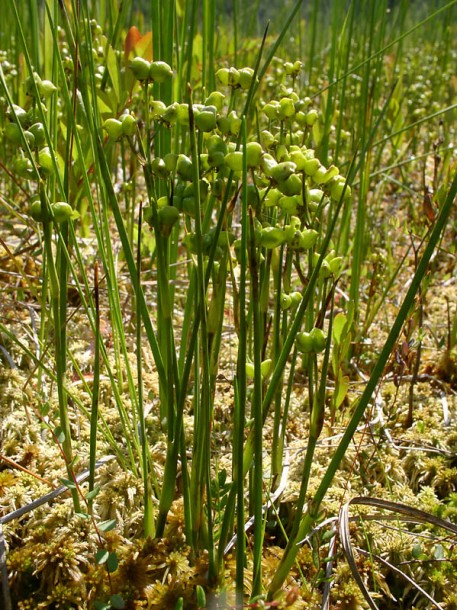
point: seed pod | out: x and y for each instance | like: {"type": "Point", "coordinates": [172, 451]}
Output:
{"type": "Point", "coordinates": [13, 133]}
{"type": "Point", "coordinates": [113, 128]}
{"type": "Point", "coordinates": [235, 123]}
{"type": "Point", "coordinates": [205, 120]}
{"type": "Point", "coordinates": [285, 300]}
{"type": "Point", "coordinates": [272, 198]}
{"type": "Point", "coordinates": [184, 167]}
{"type": "Point", "coordinates": [46, 88]}
{"type": "Point", "coordinates": [292, 186]}
{"type": "Point", "coordinates": [23, 167]}
{"type": "Point", "coordinates": [61, 211]}
{"type": "Point", "coordinates": [183, 115]}
{"type": "Point", "coordinates": [250, 370]}
{"type": "Point", "coordinates": [323, 176]}
{"type": "Point", "coordinates": [253, 154]}
{"type": "Point", "coordinates": [271, 110]}
{"type": "Point", "coordinates": [46, 162]}
{"type": "Point", "coordinates": [170, 161]}
{"type": "Point", "coordinates": [318, 339]}
{"type": "Point", "coordinates": [29, 86]}
{"type": "Point", "coordinates": [170, 116]}
{"type": "Point", "coordinates": [36, 212]}
{"type": "Point", "coordinates": [234, 161]}
{"type": "Point", "coordinates": [338, 190]}
{"type": "Point", "coordinates": [304, 343]}
{"type": "Point", "coordinates": [282, 171]}
{"type": "Point", "coordinates": [268, 163]}
{"type": "Point", "coordinates": [160, 71]}
{"type": "Point", "coordinates": [308, 239]}
{"type": "Point", "coordinates": [37, 130]}
{"type": "Point", "coordinates": [265, 368]}
{"type": "Point", "coordinates": [140, 68]}
{"type": "Point", "coordinates": [30, 138]}
{"type": "Point", "coordinates": [311, 166]}
{"type": "Point", "coordinates": [159, 168]}
{"type": "Point", "coordinates": [299, 158]}
{"type": "Point", "coordinates": [267, 139]}
{"type": "Point", "coordinates": [246, 76]}
{"type": "Point", "coordinates": [129, 125]}
{"type": "Point", "coordinates": [296, 297]}
{"type": "Point", "coordinates": [286, 108]}
{"type": "Point", "coordinates": [311, 117]}
{"type": "Point", "coordinates": [168, 216]}
{"type": "Point", "coordinates": [158, 109]}
{"type": "Point", "coordinates": [215, 98]}
{"type": "Point", "coordinates": [335, 265]}
{"type": "Point", "coordinates": [289, 205]}
{"type": "Point", "coordinates": [271, 237]}
{"type": "Point", "coordinates": [19, 113]}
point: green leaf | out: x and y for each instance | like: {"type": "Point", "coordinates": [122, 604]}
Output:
{"type": "Point", "coordinates": [101, 606]}
{"type": "Point", "coordinates": [101, 556]}
{"type": "Point", "coordinates": [106, 526]}
{"type": "Point", "coordinates": [83, 515]}
{"type": "Point", "coordinates": [117, 602]}
{"type": "Point", "coordinates": [112, 563]}
{"type": "Point", "coordinates": [60, 436]}
{"type": "Point", "coordinates": [91, 495]}
{"type": "Point", "coordinates": [111, 63]}
{"type": "Point", "coordinates": [68, 483]}
{"type": "Point", "coordinates": [339, 322]}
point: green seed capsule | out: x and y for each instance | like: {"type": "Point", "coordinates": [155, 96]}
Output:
{"type": "Point", "coordinates": [318, 339]}
{"type": "Point", "coordinates": [140, 68]}
{"type": "Point", "coordinates": [158, 109]}
{"type": "Point", "coordinates": [304, 343]}
{"type": "Point", "coordinates": [271, 110]}
{"type": "Point", "coordinates": [282, 171]}
{"type": "Point", "coordinates": [234, 161]}
{"type": "Point", "coordinates": [159, 168]}
{"type": "Point", "coordinates": [250, 370]}
{"type": "Point", "coordinates": [253, 154]}
{"type": "Point", "coordinates": [311, 117]}
{"type": "Point", "coordinates": [37, 130]}
{"type": "Point", "coordinates": [129, 126]}
{"type": "Point", "coordinates": [46, 162]}
{"type": "Point", "coordinates": [311, 166]}
{"type": "Point", "coordinates": [268, 163]}
{"type": "Point", "coordinates": [289, 205]}
{"type": "Point", "coordinates": [36, 212]}
{"type": "Point", "coordinates": [216, 98]}
{"type": "Point", "coordinates": [286, 108]}
{"type": "Point", "coordinates": [113, 128]}
{"type": "Point", "coordinates": [267, 139]}
{"type": "Point", "coordinates": [13, 133]}
{"type": "Point", "coordinates": [46, 88]}
{"type": "Point", "coordinates": [170, 116]}
{"type": "Point", "coordinates": [184, 167]}
{"type": "Point", "coordinates": [292, 186]}
{"type": "Point", "coordinates": [265, 368]}
{"type": "Point", "coordinates": [30, 138]}
{"type": "Point", "coordinates": [246, 76]}
{"type": "Point", "coordinates": [235, 123]}
{"type": "Point", "coordinates": [61, 211]}
{"type": "Point", "coordinates": [286, 301]}
{"type": "Point", "coordinates": [23, 167]}
{"type": "Point", "coordinates": [160, 71]}
{"type": "Point", "coordinates": [308, 239]}
{"type": "Point", "coordinates": [205, 120]}
{"type": "Point", "coordinates": [271, 237]}
{"type": "Point", "coordinates": [183, 115]}
{"type": "Point", "coordinates": [168, 217]}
